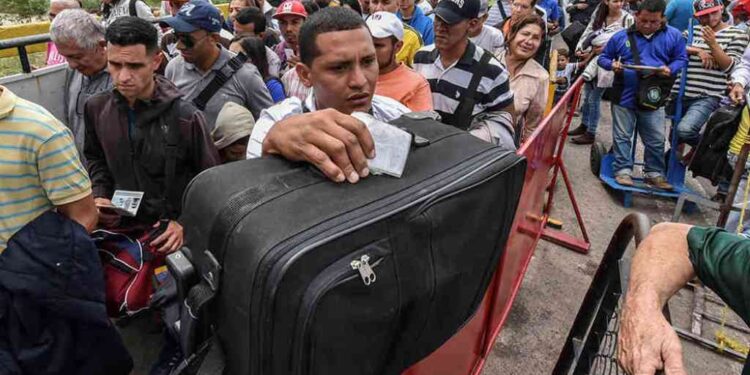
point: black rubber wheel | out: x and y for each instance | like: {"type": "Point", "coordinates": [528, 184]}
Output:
{"type": "Point", "coordinates": [598, 150]}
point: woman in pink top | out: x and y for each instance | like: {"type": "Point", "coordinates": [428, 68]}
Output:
{"type": "Point", "coordinates": [528, 80]}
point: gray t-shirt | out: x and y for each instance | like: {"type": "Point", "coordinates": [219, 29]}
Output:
{"type": "Point", "coordinates": [79, 89]}
{"type": "Point", "coordinates": [245, 88]}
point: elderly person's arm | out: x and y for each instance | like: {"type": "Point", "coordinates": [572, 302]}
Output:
{"type": "Point", "coordinates": [666, 260]}
{"type": "Point", "coordinates": [661, 267]}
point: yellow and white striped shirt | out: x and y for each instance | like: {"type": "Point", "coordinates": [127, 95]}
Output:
{"type": "Point", "coordinates": [39, 164]}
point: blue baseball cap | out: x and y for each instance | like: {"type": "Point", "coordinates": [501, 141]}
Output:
{"type": "Point", "coordinates": [195, 15]}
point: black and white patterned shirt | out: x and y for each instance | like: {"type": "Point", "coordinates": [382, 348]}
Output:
{"type": "Point", "coordinates": [449, 84]}
{"type": "Point", "coordinates": [702, 82]}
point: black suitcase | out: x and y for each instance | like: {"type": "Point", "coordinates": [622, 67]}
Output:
{"type": "Point", "coordinates": [325, 278]}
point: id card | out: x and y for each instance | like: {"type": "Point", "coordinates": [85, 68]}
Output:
{"type": "Point", "coordinates": [392, 146]}
{"type": "Point", "coordinates": [127, 202]}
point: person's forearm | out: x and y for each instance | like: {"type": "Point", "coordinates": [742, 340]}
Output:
{"type": "Point", "coordinates": [722, 58]}
{"type": "Point", "coordinates": [660, 266]}
{"type": "Point", "coordinates": [694, 50]}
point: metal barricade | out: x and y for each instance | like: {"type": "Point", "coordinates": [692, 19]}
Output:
{"type": "Point", "coordinates": [467, 350]}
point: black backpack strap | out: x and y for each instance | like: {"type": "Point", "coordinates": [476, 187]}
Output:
{"type": "Point", "coordinates": [634, 47]}
{"type": "Point", "coordinates": [462, 116]}
{"type": "Point", "coordinates": [171, 151]}
{"type": "Point", "coordinates": [131, 8]}
{"type": "Point", "coordinates": [502, 9]}
{"type": "Point", "coordinates": [220, 78]}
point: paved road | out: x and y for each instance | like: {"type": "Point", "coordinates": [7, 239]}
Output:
{"type": "Point", "coordinates": [557, 279]}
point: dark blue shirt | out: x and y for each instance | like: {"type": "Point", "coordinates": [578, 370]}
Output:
{"type": "Point", "coordinates": [666, 47]}
{"type": "Point", "coordinates": [552, 9]}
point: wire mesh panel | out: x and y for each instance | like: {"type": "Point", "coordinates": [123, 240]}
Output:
{"type": "Point", "coordinates": [591, 346]}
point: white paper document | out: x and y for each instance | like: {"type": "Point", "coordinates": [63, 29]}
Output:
{"type": "Point", "coordinates": [392, 146]}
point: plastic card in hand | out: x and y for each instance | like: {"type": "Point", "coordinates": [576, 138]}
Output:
{"type": "Point", "coordinates": [127, 201]}
{"type": "Point", "coordinates": [392, 146]}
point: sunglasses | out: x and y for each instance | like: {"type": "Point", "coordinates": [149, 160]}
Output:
{"type": "Point", "coordinates": [187, 40]}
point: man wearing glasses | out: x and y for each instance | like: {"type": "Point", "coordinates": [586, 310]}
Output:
{"type": "Point", "coordinates": [197, 26]}
{"type": "Point", "coordinates": [79, 38]}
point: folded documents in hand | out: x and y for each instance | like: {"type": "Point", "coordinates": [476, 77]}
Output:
{"type": "Point", "coordinates": [391, 146]}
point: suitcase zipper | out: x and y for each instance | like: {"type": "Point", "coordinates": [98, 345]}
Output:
{"type": "Point", "coordinates": [268, 278]}
{"type": "Point", "coordinates": [341, 272]}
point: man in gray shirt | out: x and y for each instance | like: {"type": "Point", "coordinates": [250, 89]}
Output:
{"type": "Point", "coordinates": [197, 26]}
{"type": "Point", "coordinates": [79, 37]}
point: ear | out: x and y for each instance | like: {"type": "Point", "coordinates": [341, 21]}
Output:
{"type": "Point", "coordinates": [305, 74]}
{"type": "Point", "coordinates": [215, 37]}
{"type": "Point", "coordinates": [156, 62]}
{"type": "Point", "coordinates": [473, 23]}
{"type": "Point", "coordinates": [397, 47]}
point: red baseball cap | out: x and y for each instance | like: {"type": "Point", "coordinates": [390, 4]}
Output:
{"type": "Point", "coordinates": [290, 8]}
{"type": "Point", "coordinates": [703, 7]}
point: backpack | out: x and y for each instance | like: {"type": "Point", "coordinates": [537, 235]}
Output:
{"type": "Point", "coordinates": [710, 156]}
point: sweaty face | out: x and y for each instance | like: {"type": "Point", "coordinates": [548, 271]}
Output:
{"type": "Point", "coordinates": [711, 20]}
{"type": "Point", "coordinates": [390, 6]}
{"type": "Point", "coordinates": [132, 69]}
{"type": "Point", "coordinates": [648, 22]}
{"type": "Point", "coordinates": [450, 36]}
{"type": "Point", "coordinates": [87, 62]}
{"type": "Point", "coordinates": [384, 51]}
{"type": "Point", "coordinates": [290, 26]}
{"type": "Point", "coordinates": [343, 75]}
{"type": "Point", "coordinates": [527, 42]}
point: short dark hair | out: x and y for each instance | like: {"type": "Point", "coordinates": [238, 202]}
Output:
{"type": "Point", "coordinates": [653, 6]}
{"type": "Point", "coordinates": [563, 52]}
{"type": "Point", "coordinates": [326, 20]}
{"type": "Point", "coordinates": [252, 15]}
{"type": "Point", "coordinates": [130, 31]}
{"type": "Point", "coordinates": [310, 7]}
{"type": "Point", "coordinates": [354, 4]}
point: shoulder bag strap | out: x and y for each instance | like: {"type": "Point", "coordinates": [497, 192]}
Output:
{"type": "Point", "coordinates": [131, 8]}
{"type": "Point", "coordinates": [634, 48]}
{"type": "Point", "coordinates": [462, 117]}
{"type": "Point", "coordinates": [502, 9]}
{"type": "Point", "coordinates": [219, 80]}
{"type": "Point", "coordinates": [170, 166]}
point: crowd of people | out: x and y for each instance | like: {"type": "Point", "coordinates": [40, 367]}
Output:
{"type": "Point", "coordinates": [150, 103]}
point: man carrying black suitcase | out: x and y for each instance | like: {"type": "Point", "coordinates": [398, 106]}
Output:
{"type": "Point", "coordinates": [338, 61]}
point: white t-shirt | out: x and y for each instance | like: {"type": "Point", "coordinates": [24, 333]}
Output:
{"type": "Point", "coordinates": [490, 39]}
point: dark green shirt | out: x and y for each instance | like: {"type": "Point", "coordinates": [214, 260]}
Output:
{"type": "Point", "coordinates": [722, 262]}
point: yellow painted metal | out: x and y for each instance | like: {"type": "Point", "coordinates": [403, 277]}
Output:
{"type": "Point", "coordinates": [552, 84]}
{"type": "Point", "coordinates": [26, 29]}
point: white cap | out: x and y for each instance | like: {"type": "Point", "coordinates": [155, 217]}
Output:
{"type": "Point", "coordinates": [384, 25]}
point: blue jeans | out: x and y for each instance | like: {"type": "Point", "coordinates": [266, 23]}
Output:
{"type": "Point", "coordinates": [591, 109]}
{"type": "Point", "coordinates": [696, 113]}
{"type": "Point", "coordinates": [650, 126]}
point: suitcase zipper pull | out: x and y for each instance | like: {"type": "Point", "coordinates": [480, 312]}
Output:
{"type": "Point", "coordinates": [365, 271]}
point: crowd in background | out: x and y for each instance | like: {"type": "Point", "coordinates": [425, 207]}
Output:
{"type": "Point", "coordinates": [150, 103]}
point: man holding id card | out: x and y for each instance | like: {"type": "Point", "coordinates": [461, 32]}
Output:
{"type": "Point", "coordinates": [645, 58]}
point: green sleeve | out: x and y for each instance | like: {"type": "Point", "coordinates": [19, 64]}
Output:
{"type": "Point", "coordinates": [722, 262]}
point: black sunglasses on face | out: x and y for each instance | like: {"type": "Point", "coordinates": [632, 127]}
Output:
{"type": "Point", "coordinates": [187, 40]}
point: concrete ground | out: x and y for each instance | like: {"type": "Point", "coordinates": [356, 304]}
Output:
{"type": "Point", "coordinates": [557, 279]}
